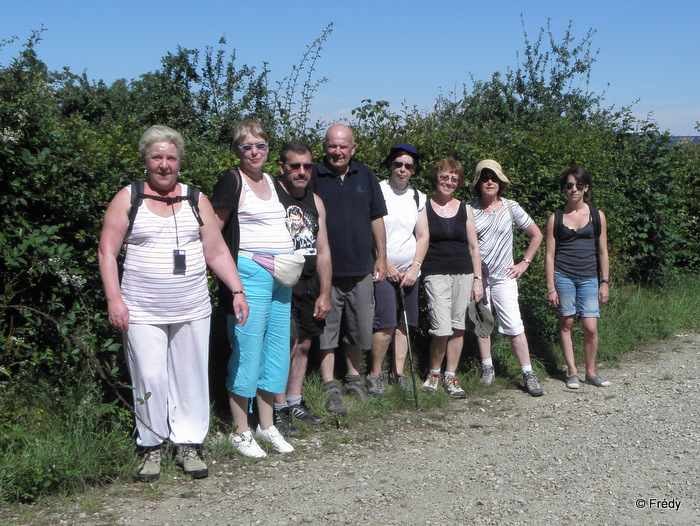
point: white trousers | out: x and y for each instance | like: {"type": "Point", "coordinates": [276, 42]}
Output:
{"type": "Point", "coordinates": [169, 372]}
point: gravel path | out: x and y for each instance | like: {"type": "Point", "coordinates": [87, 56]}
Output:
{"type": "Point", "coordinates": [626, 454]}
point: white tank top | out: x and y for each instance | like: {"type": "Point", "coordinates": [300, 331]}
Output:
{"type": "Point", "coordinates": [154, 293]}
{"type": "Point", "coordinates": [262, 223]}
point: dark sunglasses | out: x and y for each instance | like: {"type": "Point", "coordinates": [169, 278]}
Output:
{"type": "Point", "coordinates": [579, 186]}
{"type": "Point", "coordinates": [399, 164]}
{"type": "Point", "coordinates": [489, 177]}
{"type": "Point", "coordinates": [307, 166]}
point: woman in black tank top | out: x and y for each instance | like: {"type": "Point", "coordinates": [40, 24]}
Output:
{"type": "Point", "coordinates": [450, 267]}
{"type": "Point", "coordinates": [577, 250]}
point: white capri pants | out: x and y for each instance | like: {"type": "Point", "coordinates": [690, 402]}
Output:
{"type": "Point", "coordinates": [502, 293]}
{"type": "Point", "coordinates": [171, 363]}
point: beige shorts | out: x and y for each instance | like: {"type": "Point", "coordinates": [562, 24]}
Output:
{"type": "Point", "coordinates": [448, 296]}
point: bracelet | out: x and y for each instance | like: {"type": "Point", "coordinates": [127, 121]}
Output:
{"type": "Point", "coordinates": [417, 263]}
{"type": "Point", "coordinates": [238, 292]}
{"type": "Point", "coordinates": [605, 280]}
{"type": "Point", "coordinates": [550, 291]}
{"type": "Point", "coordinates": [528, 261]}
{"type": "Point", "coordinates": [480, 278]}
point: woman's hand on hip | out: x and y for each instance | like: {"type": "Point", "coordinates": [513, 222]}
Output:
{"type": "Point", "coordinates": [517, 270]}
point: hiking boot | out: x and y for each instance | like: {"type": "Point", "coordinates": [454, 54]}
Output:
{"type": "Point", "coordinates": [451, 385]}
{"type": "Point", "coordinates": [335, 403]}
{"type": "Point", "coordinates": [431, 383]}
{"type": "Point", "coordinates": [572, 382]}
{"type": "Point", "coordinates": [303, 413]}
{"type": "Point", "coordinates": [188, 457]}
{"type": "Point", "coordinates": [532, 384]}
{"type": "Point", "coordinates": [353, 386]}
{"type": "Point", "coordinates": [375, 385]}
{"type": "Point", "coordinates": [488, 375]}
{"type": "Point", "coordinates": [597, 381]}
{"type": "Point", "coordinates": [273, 437]}
{"type": "Point", "coordinates": [149, 468]}
{"type": "Point", "coordinates": [246, 445]}
{"type": "Point", "coordinates": [402, 380]}
{"type": "Point", "coordinates": [283, 422]}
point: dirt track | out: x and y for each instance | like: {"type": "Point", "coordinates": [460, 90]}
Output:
{"type": "Point", "coordinates": [618, 455]}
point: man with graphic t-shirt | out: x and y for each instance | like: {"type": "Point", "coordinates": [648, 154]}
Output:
{"type": "Point", "coordinates": [306, 221]}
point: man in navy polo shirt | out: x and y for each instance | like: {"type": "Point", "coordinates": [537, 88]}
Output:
{"type": "Point", "coordinates": [354, 220]}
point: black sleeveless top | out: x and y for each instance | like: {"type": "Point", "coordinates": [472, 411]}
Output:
{"type": "Point", "coordinates": [448, 252]}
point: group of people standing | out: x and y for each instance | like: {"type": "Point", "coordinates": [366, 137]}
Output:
{"type": "Point", "coordinates": [326, 251]}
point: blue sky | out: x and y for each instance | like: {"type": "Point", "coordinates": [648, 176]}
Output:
{"type": "Point", "coordinates": [381, 50]}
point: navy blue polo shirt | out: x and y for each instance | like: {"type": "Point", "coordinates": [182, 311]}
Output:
{"type": "Point", "coordinates": [351, 205]}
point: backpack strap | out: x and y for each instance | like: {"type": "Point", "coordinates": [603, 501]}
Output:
{"type": "Point", "coordinates": [510, 211]}
{"type": "Point", "coordinates": [415, 198]}
{"type": "Point", "coordinates": [597, 229]}
{"type": "Point", "coordinates": [136, 200]}
{"type": "Point", "coordinates": [512, 220]}
{"type": "Point", "coordinates": [558, 222]}
{"type": "Point", "coordinates": [138, 195]}
{"type": "Point", "coordinates": [193, 198]}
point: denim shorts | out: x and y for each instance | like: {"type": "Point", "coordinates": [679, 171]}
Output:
{"type": "Point", "coordinates": [577, 296]}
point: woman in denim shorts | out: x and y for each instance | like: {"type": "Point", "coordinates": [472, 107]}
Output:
{"type": "Point", "coordinates": [577, 250]}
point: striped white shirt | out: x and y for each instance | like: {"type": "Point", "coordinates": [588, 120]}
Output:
{"type": "Point", "coordinates": [153, 291]}
{"type": "Point", "coordinates": [495, 233]}
{"type": "Point", "coordinates": [262, 223]}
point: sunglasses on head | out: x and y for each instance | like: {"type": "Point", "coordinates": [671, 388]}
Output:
{"type": "Point", "coordinates": [398, 164]}
{"type": "Point", "coordinates": [579, 186]}
{"type": "Point", "coordinates": [258, 146]}
{"type": "Point", "coordinates": [307, 166]}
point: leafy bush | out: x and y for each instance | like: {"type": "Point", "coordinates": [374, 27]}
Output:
{"type": "Point", "coordinates": [67, 145]}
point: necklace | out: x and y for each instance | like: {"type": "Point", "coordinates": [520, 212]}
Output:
{"type": "Point", "coordinates": [443, 211]}
{"type": "Point", "coordinates": [491, 207]}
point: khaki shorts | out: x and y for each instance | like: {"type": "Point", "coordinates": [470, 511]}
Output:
{"type": "Point", "coordinates": [448, 296]}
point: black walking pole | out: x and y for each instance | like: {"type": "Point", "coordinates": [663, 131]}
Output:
{"type": "Point", "coordinates": [408, 341]}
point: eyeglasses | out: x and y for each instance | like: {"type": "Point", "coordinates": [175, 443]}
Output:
{"type": "Point", "coordinates": [489, 177]}
{"type": "Point", "coordinates": [307, 166]}
{"type": "Point", "coordinates": [448, 178]}
{"type": "Point", "coordinates": [579, 186]}
{"type": "Point", "coordinates": [258, 146]}
{"type": "Point", "coordinates": [398, 164]}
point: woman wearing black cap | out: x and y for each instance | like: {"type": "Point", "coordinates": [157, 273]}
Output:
{"type": "Point", "coordinates": [406, 227]}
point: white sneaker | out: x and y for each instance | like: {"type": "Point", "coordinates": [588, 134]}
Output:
{"type": "Point", "coordinates": [246, 445]}
{"type": "Point", "coordinates": [274, 438]}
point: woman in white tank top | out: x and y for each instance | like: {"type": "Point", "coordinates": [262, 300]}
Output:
{"type": "Point", "coordinates": [259, 364]}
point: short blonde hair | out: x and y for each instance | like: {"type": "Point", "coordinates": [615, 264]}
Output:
{"type": "Point", "coordinates": [248, 127]}
{"type": "Point", "coordinates": [160, 133]}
